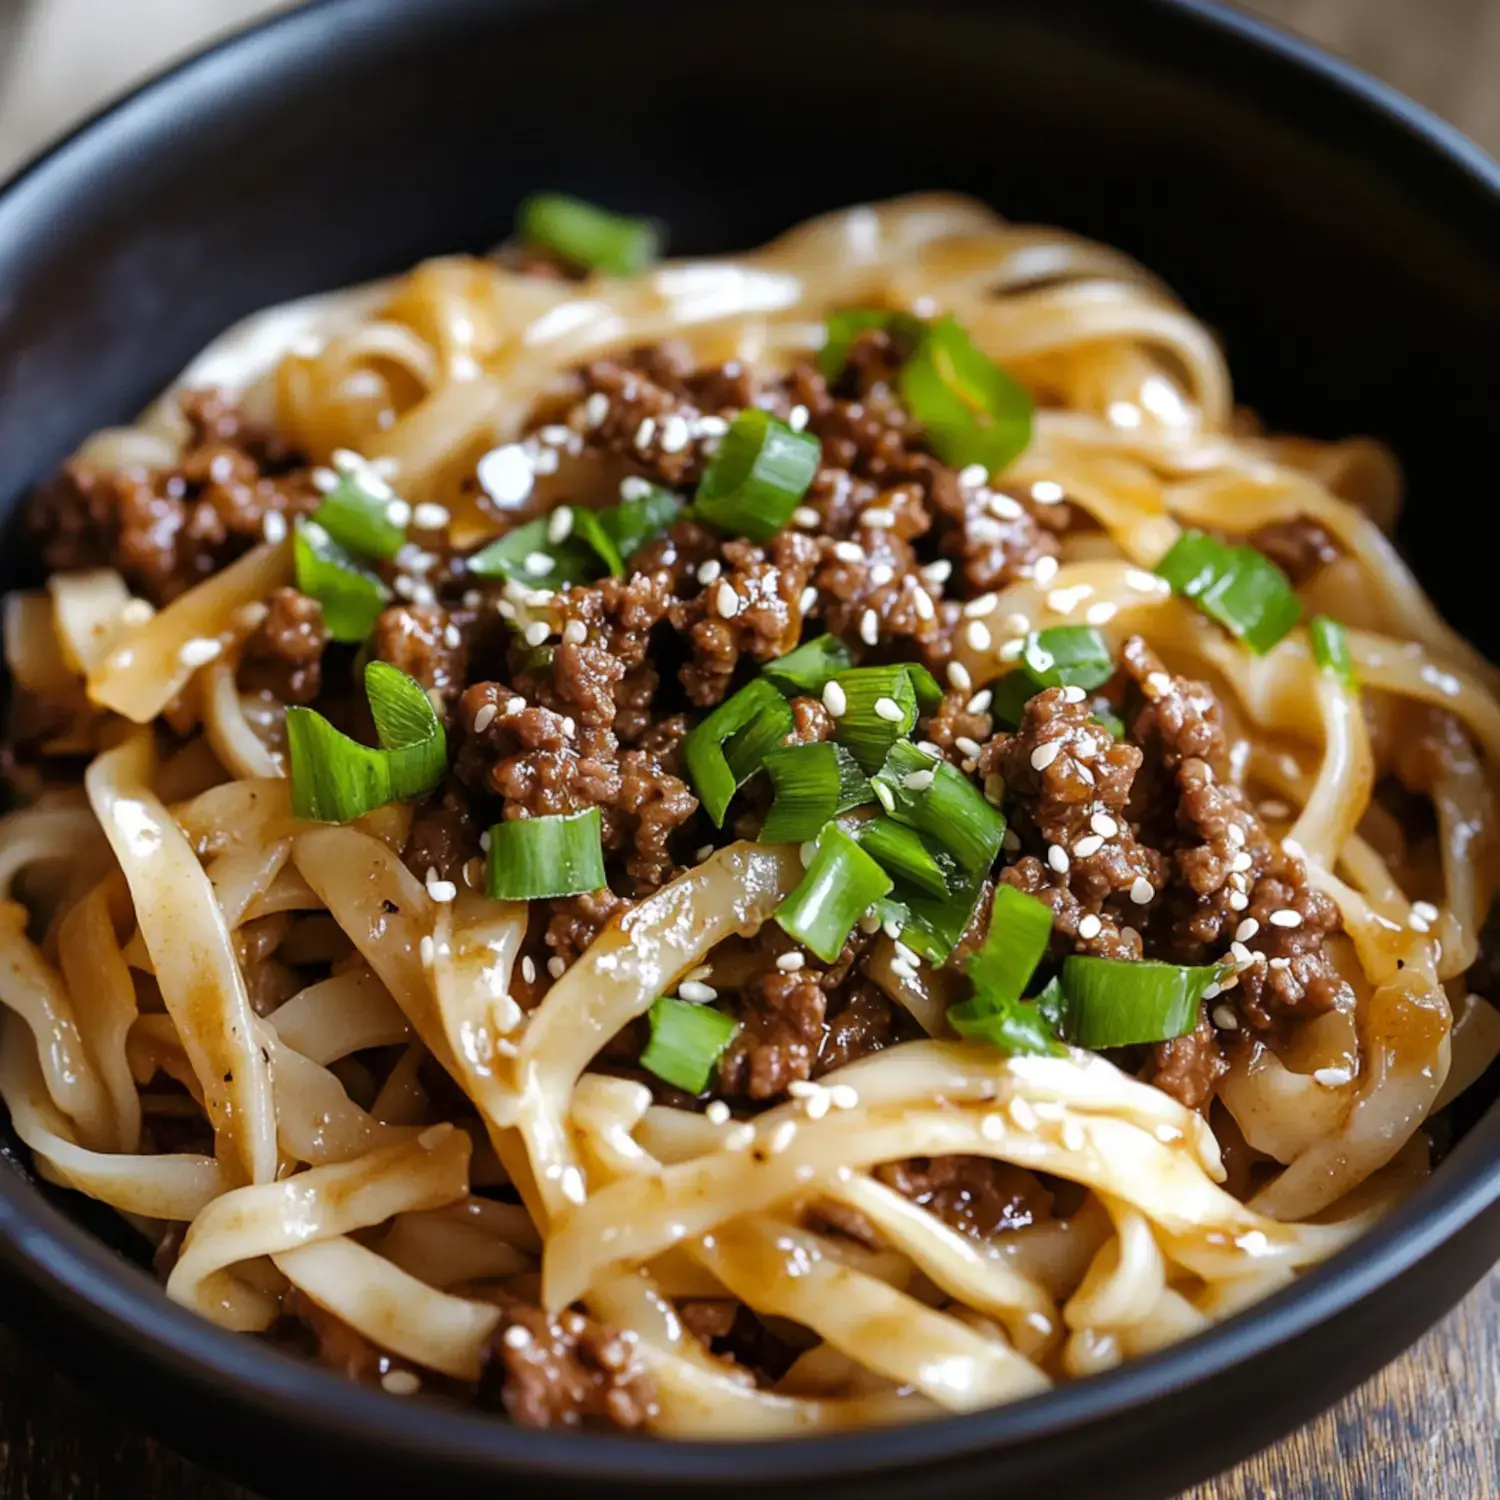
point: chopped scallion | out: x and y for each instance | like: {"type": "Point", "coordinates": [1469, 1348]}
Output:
{"type": "Point", "coordinates": [973, 411]}
{"type": "Point", "coordinates": [1068, 656]}
{"type": "Point", "coordinates": [1237, 586]}
{"type": "Point", "coordinates": [336, 779]}
{"type": "Point", "coordinates": [1019, 931]}
{"type": "Point", "coordinates": [814, 784]}
{"type": "Point", "coordinates": [845, 326]}
{"type": "Point", "coordinates": [753, 483]}
{"type": "Point", "coordinates": [905, 855]}
{"type": "Point", "coordinates": [840, 885]}
{"type": "Point", "coordinates": [1330, 647]}
{"type": "Point", "coordinates": [559, 855]}
{"type": "Point", "coordinates": [686, 1043]}
{"type": "Point", "coordinates": [1109, 1002]}
{"type": "Point", "coordinates": [359, 521]}
{"type": "Point", "coordinates": [351, 598]}
{"type": "Point", "coordinates": [592, 238]}
{"type": "Point", "coordinates": [940, 802]}
{"type": "Point", "coordinates": [718, 760]}
{"type": "Point", "coordinates": [525, 555]}
{"type": "Point", "coordinates": [808, 668]}
{"type": "Point", "coordinates": [880, 709]}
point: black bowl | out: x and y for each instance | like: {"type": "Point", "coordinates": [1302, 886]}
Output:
{"type": "Point", "coordinates": [1345, 243]}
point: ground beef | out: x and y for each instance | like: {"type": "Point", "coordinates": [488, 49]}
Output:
{"type": "Point", "coordinates": [781, 1032]}
{"type": "Point", "coordinates": [861, 1021]}
{"type": "Point", "coordinates": [426, 642]}
{"type": "Point", "coordinates": [708, 1318]}
{"type": "Point", "coordinates": [564, 1371]}
{"type": "Point", "coordinates": [444, 837]}
{"type": "Point", "coordinates": [973, 1194]}
{"type": "Point", "coordinates": [956, 728]}
{"type": "Point", "coordinates": [285, 655]}
{"type": "Point", "coordinates": [167, 529]}
{"type": "Point", "coordinates": [342, 1348]}
{"type": "Point", "coordinates": [575, 922]}
{"type": "Point", "coordinates": [1300, 548]}
{"type": "Point", "coordinates": [1188, 1067]}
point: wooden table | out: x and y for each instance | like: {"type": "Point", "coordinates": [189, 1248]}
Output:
{"type": "Point", "coordinates": [1425, 1426]}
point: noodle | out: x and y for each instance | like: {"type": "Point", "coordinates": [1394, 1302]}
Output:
{"type": "Point", "coordinates": [368, 1097]}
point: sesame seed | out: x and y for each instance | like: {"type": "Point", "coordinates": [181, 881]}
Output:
{"type": "Point", "coordinates": [695, 992]}
{"type": "Point", "coordinates": [739, 1138]}
{"type": "Point", "coordinates": [921, 601]}
{"type": "Point", "coordinates": [958, 676]}
{"type": "Point", "coordinates": [983, 605]}
{"type": "Point", "coordinates": [869, 923]}
{"type": "Point", "coordinates": [1141, 890]}
{"type": "Point", "coordinates": [869, 627]}
{"type": "Point", "coordinates": [1246, 930]}
{"type": "Point", "coordinates": [560, 524]}
{"type": "Point", "coordinates": [1286, 917]}
{"type": "Point", "coordinates": [1280, 963]}
{"type": "Point", "coordinates": [848, 552]}
{"type": "Point", "coordinates": [717, 1113]}
{"type": "Point", "coordinates": [324, 480]}
{"type": "Point", "coordinates": [1211, 992]}
{"type": "Point", "coordinates": [575, 632]}
{"type": "Point", "coordinates": [1238, 901]}
{"type": "Point", "coordinates": [536, 633]}
{"type": "Point", "coordinates": [429, 516]}
{"type": "Point", "coordinates": [797, 417]}
{"type": "Point", "coordinates": [1225, 1019]}
{"type": "Point", "coordinates": [1090, 843]}
{"type": "Point", "coordinates": [973, 476]}
{"type": "Point", "coordinates": [674, 434]}
{"type": "Point", "coordinates": [644, 433]}
{"type": "Point", "coordinates": [781, 1137]}
{"type": "Point", "coordinates": [1104, 825]}
{"type": "Point", "coordinates": [427, 949]}
{"type": "Point", "coordinates": [1046, 492]}
{"type": "Point", "coordinates": [978, 636]}
{"type": "Point", "coordinates": [1425, 910]}
{"type": "Point", "coordinates": [878, 518]}
{"type": "Point", "coordinates": [1012, 649]}
{"type": "Point", "coordinates": [789, 963]}
{"type": "Point", "coordinates": [966, 746]}
{"type": "Point", "coordinates": [1073, 694]}
{"type": "Point", "coordinates": [273, 527]}
{"type": "Point", "coordinates": [709, 571]}
{"type": "Point", "coordinates": [835, 700]}
{"type": "Point", "coordinates": [806, 851]}
{"type": "Point", "coordinates": [1045, 571]}
{"type": "Point", "coordinates": [726, 601]}
{"type": "Point", "coordinates": [1332, 1078]}
{"type": "Point", "coordinates": [517, 1336]}
{"type": "Point", "coordinates": [440, 890]}
{"type": "Point", "coordinates": [515, 705]}
{"type": "Point", "coordinates": [1274, 809]}
{"type": "Point", "coordinates": [881, 574]}
{"type": "Point", "coordinates": [401, 1382]}
{"type": "Point", "coordinates": [844, 1096]}
{"type": "Point", "coordinates": [1044, 755]}
{"type": "Point", "coordinates": [1004, 507]}
{"type": "Point", "coordinates": [1090, 927]}
{"type": "Point", "coordinates": [938, 572]}
{"type": "Point", "coordinates": [1158, 684]}
{"type": "Point", "coordinates": [1065, 601]}
{"type": "Point", "coordinates": [199, 651]}
{"type": "Point", "coordinates": [805, 516]}
{"type": "Point", "coordinates": [538, 564]}
{"type": "Point", "coordinates": [917, 781]}
{"type": "Point", "coordinates": [1242, 955]}
{"type": "Point", "coordinates": [808, 599]}
{"type": "Point", "coordinates": [1241, 862]}
{"type": "Point", "coordinates": [484, 716]}
{"type": "Point", "coordinates": [992, 1128]}
{"type": "Point", "coordinates": [1057, 857]}
{"type": "Point", "coordinates": [506, 474]}
{"type": "Point", "coordinates": [595, 410]}
{"type": "Point", "coordinates": [702, 852]}
{"type": "Point", "coordinates": [1235, 834]}
{"type": "Point", "coordinates": [1101, 613]}
{"type": "Point", "coordinates": [1145, 583]}
{"type": "Point", "coordinates": [889, 710]}
{"type": "Point", "coordinates": [884, 795]}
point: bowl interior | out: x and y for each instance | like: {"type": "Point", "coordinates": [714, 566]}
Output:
{"type": "Point", "coordinates": [1340, 244]}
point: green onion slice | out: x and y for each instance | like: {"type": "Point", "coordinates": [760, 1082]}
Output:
{"type": "Point", "coordinates": [753, 483]}
{"type": "Point", "coordinates": [560, 855]}
{"type": "Point", "coordinates": [619, 531]}
{"type": "Point", "coordinates": [718, 760]}
{"type": "Point", "coordinates": [1109, 1002]}
{"type": "Point", "coordinates": [1110, 720]}
{"type": "Point", "coordinates": [880, 709]}
{"type": "Point", "coordinates": [808, 668]}
{"type": "Point", "coordinates": [905, 855]}
{"type": "Point", "coordinates": [360, 522]}
{"type": "Point", "coordinates": [814, 784]}
{"type": "Point", "coordinates": [586, 236]}
{"type": "Point", "coordinates": [1010, 696]}
{"type": "Point", "coordinates": [1068, 656]}
{"type": "Point", "coordinates": [336, 779]}
{"type": "Point", "coordinates": [845, 326]}
{"type": "Point", "coordinates": [1330, 647]}
{"type": "Point", "coordinates": [940, 802]}
{"type": "Point", "coordinates": [525, 555]}
{"type": "Point", "coordinates": [931, 927]}
{"type": "Point", "coordinates": [1018, 1027]}
{"type": "Point", "coordinates": [973, 411]}
{"type": "Point", "coordinates": [686, 1043]}
{"type": "Point", "coordinates": [1237, 586]}
{"type": "Point", "coordinates": [1020, 929]}
{"type": "Point", "coordinates": [840, 885]}
{"type": "Point", "coordinates": [351, 598]}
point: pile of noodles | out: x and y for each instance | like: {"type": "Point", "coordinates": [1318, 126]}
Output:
{"type": "Point", "coordinates": [131, 958]}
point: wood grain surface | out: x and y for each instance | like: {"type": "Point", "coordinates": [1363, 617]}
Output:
{"type": "Point", "coordinates": [1425, 1426]}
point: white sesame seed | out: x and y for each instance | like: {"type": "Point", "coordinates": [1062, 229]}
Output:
{"type": "Point", "coordinates": [1158, 684]}
{"type": "Point", "coordinates": [1045, 571]}
{"type": "Point", "coordinates": [507, 474]}
{"type": "Point", "coordinates": [1090, 843]}
{"type": "Point", "coordinates": [1044, 755]}
{"type": "Point", "coordinates": [978, 636]}
{"type": "Point", "coordinates": [878, 518]}
{"type": "Point", "coordinates": [807, 851]}
{"type": "Point", "coordinates": [199, 651]}
{"type": "Point", "coordinates": [1211, 992]}
{"type": "Point", "coordinates": [958, 676]}
{"type": "Point", "coordinates": [966, 746]}
{"type": "Point", "coordinates": [570, 726]}
{"type": "Point", "coordinates": [1332, 1078]}
{"type": "Point", "coordinates": [973, 476]}
{"type": "Point", "coordinates": [709, 571]}
{"type": "Point", "coordinates": [1238, 901]}
{"type": "Point", "coordinates": [938, 572]}
{"type": "Point", "coordinates": [789, 963]}
{"type": "Point", "coordinates": [889, 710]}
{"type": "Point", "coordinates": [717, 1113]}
{"type": "Point", "coordinates": [644, 433]}
{"type": "Point", "coordinates": [273, 527]}
{"type": "Point", "coordinates": [1141, 890]}
{"type": "Point", "coordinates": [1104, 825]}
{"type": "Point", "coordinates": [850, 552]}
{"type": "Point", "coordinates": [884, 795]}
{"type": "Point", "coordinates": [695, 992]}
{"type": "Point", "coordinates": [1101, 613]}
{"type": "Point", "coordinates": [1046, 492]}
{"type": "Point", "coordinates": [881, 574]}
{"type": "Point", "coordinates": [1145, 583]}
{"type": "Point", "coordinates": [805, 516]}
{"type": "Point", "coordinates": [674, 434]}
{"type": "Point", "coordinates": [402, 1382]}
{"type": "Point", "coordinates": [538, 564]}
{"type": "Point", "coordinates": [1004, 507]}
{"type": "Point", "coordinates": [835, 700]}
{"type": "Point", "coordinates": [1235, 834]}
{"type": "Point", "coordinates": [1241, 862]}
{"type": "Point", "coordinates": [702, 852]}
{"type": "Point", "coordinates": [325, 480]}
{"type": "Point", "coordinates": [1285, 917]}
{"type": "Point", "coordinates": [921, 601]}
{"type": "Point", "coordinates": [595, 410]}
{"type": "Point", "coordinates": [1225, 1019]}
{"type": "Point", "coordinates": [575, 632]}
{"type": "Point", "coordinates": [809, 597]}
{"type": "Point", "coordinates": [560, 524]}
{"type": "Point", "coordinates": [515, 705]}
{"type": "Point", "coordinates": [1073, 693]}
{"type": "Point", "coordinates": [797, 417]}
{"type": "Point", "coordinates": [1090, 927]}
{"type": "Point", "coordinates": [1011, 649]}
{"type": "Point", "coordinates": [1246, 930]}
{"type": "Point", "coordinates": [484, 716]}
{"type": "Point", "coordinates": [1057, 857]}
{"type": "Point", "coordinates": [781, 1137]}
{"type": "Point", "coordinates": [427, 949]}
{"type": "Point", "coordinates": [726, 601]}
{"type": "Point", "coordinates": [429, 516]}
{"type": "Point", "coordinates": [983, 605]}
{"type": "Point", "coordinates": [1424, 910]}
{"type": "Point", "coordinates": [869, 923]}
{"type": "Point", "coordinates": [536, 633]}
{"type": "Point", "coordinates": [441, 890]}
{"type": "Point", "coordinates": [917, 781]}
{"type": "Point", "coordinates": [1065, 601]}
{"type": "Point", "coordinates": [869, 627]}
{"type": "Point", "coordinates": [1280, 963]}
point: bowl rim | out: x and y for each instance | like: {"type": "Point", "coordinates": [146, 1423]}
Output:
{"type": "Point", "coordinates": [80, 1276]}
